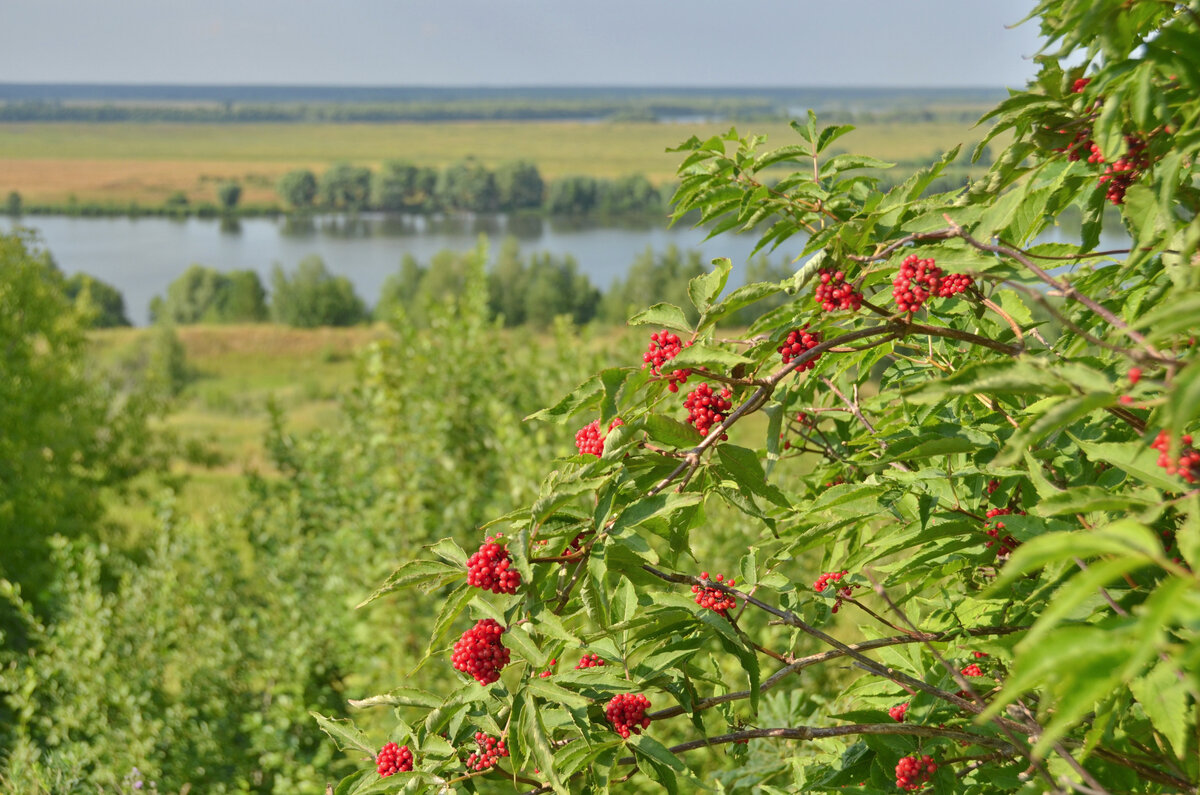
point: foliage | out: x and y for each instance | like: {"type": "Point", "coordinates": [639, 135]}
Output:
{"type": "Point", "coordinates": [206, 295]}
{"type": "Point", "coordinates": [467, 186]}
{"type": "Point", "coordinates": [101, 304]}
{"type": "Point", "coordinates": [519, 186]}
{"type": "Point", "coordinates": [657, 276]}
{"type": "Point", "coordinates": [402, 186]}
{"type": "Point", "coordinates": [298, 188]}
{"type": "Point", "coordinates": [312, 296]}
{"type": "Point", "coordinates": [345, 187]}
{"type": "Point", "coordinates": [12, 205]}
{"type": "Point", "coordinates": [998, 478]}
{"type": "Point", "coordinates": [229, 194]}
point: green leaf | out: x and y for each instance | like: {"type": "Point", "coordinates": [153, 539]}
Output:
{"type": "Point", "coordinates": [344, 733]}
{"type": "Point", "coordinates": [399, 697]}
{"type": "Point", "coordinates": [586, 394]}
{"type": "Point", "coordinates": [716, 359]}
{"type": "Point", "coordinates": [450, 609]}
{"type": "Point", "coordinates": [1134, 458]}
{"type": "Point", "coordinates": [428, 573]}
{"type": "Point", "coordinates": [556, 694]}
{"type": "Point", "coordinates": [665, 315]}
{"type": "Point", "coordinates": [705, 288]}
{"type": "Point", "coordinates": [1164, 694]}
{"type": "Point", "coordinates": [743, 465]}
{"type": "Point", "coordinates": [670, 432]}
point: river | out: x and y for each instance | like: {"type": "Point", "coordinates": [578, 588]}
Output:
{"type": "Point", "coordinates": [141, 256]}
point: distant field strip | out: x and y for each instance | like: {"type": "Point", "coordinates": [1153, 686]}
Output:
{"type": "Point", "coordinates": [145, 162]}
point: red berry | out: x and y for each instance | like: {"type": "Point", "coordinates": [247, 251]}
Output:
{"type": "Point", "coordinates": [480, 653]}
{"type": "Point", "coordinates": [489, 753]}
{"type": "Point", "coordinates": [706, 408]}
{"type": "Point", "coordinates": [919, 279]}
{"type": "Point", "coordinates": [589, 441]}
{"type": "Point", "coordinates": [1080, 84]}
{"type": "Point", "coordinates": [1006, 544]}
{"type": "Point", "coordinates": [713, 598]}
{"type": "Point", "coordinates": [1187, 466]}
{"type": "Point", "coordinates": [798, 342]}
{"type": "Point", "coordinates": [490, 568]}
{"type": "Point", "coordinates": [912, 773]}
{"type": "Point", "coordinates": [898, 712]}
{"type": "Point", "coordinates": [844, 592]}
{"type": "Point", "coordinates": [590, 661]}
{"type": "Point", "coordinates": [665, 346]}
{"type": "Point", "coordinates": [627, 713]}
{"type": "Point", "coordinates": [393, 759]}
{"type": "Point", "coordinates": [832, 292]}
{"type": "Point", "coordinates": [1135, 375]}
{"type": "Point", "coordinates": [972, 670]}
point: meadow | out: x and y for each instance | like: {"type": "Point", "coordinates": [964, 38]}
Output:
{"type": "Point", "coordinates": [146, 162]}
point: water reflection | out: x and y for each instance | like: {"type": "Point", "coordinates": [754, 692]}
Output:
{"type": "Point", "coordinates": [230, 226]}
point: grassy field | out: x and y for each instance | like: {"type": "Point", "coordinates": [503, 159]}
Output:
{"type": "Point", "coordinates": [222, 412]}
{"type": "Point", "coordinates": [146, 162]}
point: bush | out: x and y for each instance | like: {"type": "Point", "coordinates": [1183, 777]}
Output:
{"type": "Point", "coordinates": [298, 188]}
{"type": "Point", "coordinates": [205, 295]}
{"type": "Point", "coordinates": [101, 304]}
{"type": "Point", "coordinates": [964, 467]}
{"type": "Point", "coordinates": [312, 296]}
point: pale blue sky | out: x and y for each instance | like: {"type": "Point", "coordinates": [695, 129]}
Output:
{"type": "Point", "coordinates": [519, 42]}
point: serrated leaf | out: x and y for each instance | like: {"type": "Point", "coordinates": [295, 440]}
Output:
{"type": "Point", "coordinates": [1163, 694]}
{"type": "Point", "coordinates": [428, 573]}
{"type": "Point", "coordinates": [672, 433]}
{"type": "Point", "coordinates": [665, 315]}
{"type": "Point", "coordinates": [586, 394]}
{"type": "Point", "coordinates": [344, 733]}
{"type": "Point", "coordinates": [399, 697]}
{"type": "Point", "coordinates": [717, 359]}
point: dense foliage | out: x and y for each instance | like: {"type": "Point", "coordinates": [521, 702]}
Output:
{"type": "Point", "coordinates": [969, 524]}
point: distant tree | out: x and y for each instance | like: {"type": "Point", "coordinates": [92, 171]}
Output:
{"type": "Point", "coordinates": [229, 193]}
{"type": "Point", "coordinates": [628, 195]}
{"type": "Point", "coordinates": [519, 186]}
{"type": "Point", "coordinates": [507, 284]}
{"type": "Point", "coordinates": [653, 277]}
{"type": "Point", "coordinates": [100, 304]}
{"type": "Point", "coordinates": [346, 187]}
{"type": "Point", "coordinates": [13, 205]}
{"type": "Point", "coordinates": [313, 297]}
{"type": "Point", "coordinates": [401, 186]}
{"type": "Point", "coordinates": [205, 295]}
{"type": "Point", "coordinates": [400, 290]}
{"type": "Point", "coordinates": [298, 188]}
{"type": "Point", "coordinates": [572, 196]}
{"type": "Point", "coordinates": [243, 298]}
{"type": "Point", "coordinates": [468, 186]}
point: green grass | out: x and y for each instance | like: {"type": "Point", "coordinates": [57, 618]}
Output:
{"type": "Point", "coordinates": [222, 413]}
{"type": "Point", "coordinates": [145, 162]}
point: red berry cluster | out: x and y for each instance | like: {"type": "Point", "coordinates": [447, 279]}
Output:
{"type": "Point", "coordinates": [590, 661]}
{"type": "Point", "coordinates": [627, 713]}
{"type": "Point", "coordinates": [798, 341]}
{"type": "Point", "coordinates": [490, 751]}
{"type": "Point", "coordinates": [833, 293]}
{"type": "Point", "coordinates": [972, 670]}
{"type": "Point", "coordinates": [576, 543]}
{"type": "Point", "coordinates": [480, 653]}
{"type": "Point", "coordinates": [912, 773]}
{"type": "Point", "coordinates": [714, 599]}
{"type": "Point", "coordinates": [1080, 84]}
{"type": "Point", "coordinates": [588, 439]}
{"type": "Point", "coordinates": [919, 279]}
{"type": "Point", "coordinates": [665, 346]}
{"type": "Point", "coordinates": [898, 712]}
{"type": "Point", "coordinates": [706, 408]}
{"type": "Point", "coordinates": [1006, 543]}
{"type": "Point", "coordinates": [549, 672]}
{"type": "Point", "coordinates": [979, 655]}
{"type": "Point", "coordinates": [491, 568]}
{"type": "Point", "coordinates": [825, 580]}
{"type": "Point", "coordinates": [1123, 172]}
{"type": "Point", "coordinates": [992, 485]}
{"type": "Point", "coordinates": [392, 759]}
{"type": "Point", "coordinates": [1187, 466]}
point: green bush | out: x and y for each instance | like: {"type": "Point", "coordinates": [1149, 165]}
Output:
{"type": "Point", "coordinates": [312, 297]}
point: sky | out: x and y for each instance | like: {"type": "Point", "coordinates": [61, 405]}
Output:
{"type": "Point", "coordinates": [519, 42]}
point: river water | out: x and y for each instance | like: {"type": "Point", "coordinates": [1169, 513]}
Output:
{"type": "Point", "coordinates": [141, 256]}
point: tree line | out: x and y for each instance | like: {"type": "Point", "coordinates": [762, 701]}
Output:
{"type": "Point", "coordinates": [466, 185]}
{"type": "Point", "coordinates": [531, 289]}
